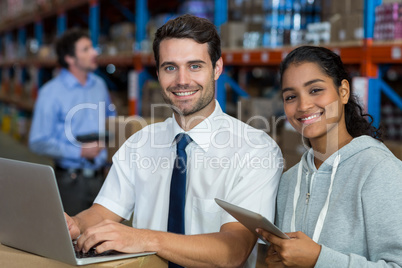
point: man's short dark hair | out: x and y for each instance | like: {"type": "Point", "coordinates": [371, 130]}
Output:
{"type": "Point", "coordinates": [188, 26]}
{"type": "Point", "coordinates": [65, 44]}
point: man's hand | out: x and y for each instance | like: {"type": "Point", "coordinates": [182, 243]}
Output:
{"type": "Point", "coordinates": [72, 227]}
{"type": "Point", "coordinates": [298, 251]}
{"type": "Point", "coordinates": [90, 150]}
{"type": "Point", "coordinates": [111, 235]}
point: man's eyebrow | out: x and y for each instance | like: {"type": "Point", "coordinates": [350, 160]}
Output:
{"type": "Point", "coordinates": [189, 62]}
{"type": "Point", "coordinates": [168, 63]}
{"type": "Point", "coordinates": [197, 61]}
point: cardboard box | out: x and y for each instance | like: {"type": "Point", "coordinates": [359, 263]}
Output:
{"type": "Point", "coordinates": [120, 128]}
{"type": "Point", "coordinates": [391, 1]}
{"type": "Point", "coordinates": [395, 147]}
{"type": "Point", "coordinates": [357, 6]}
{"type": "Point", "coordinates": [153, 104]}
{"type": "Point", "coordinates": [232, 34]}
{"type": "Point", "coordinates": [343, 6]}
{"type": "Point", "coordinates": [290, 158]}
{"type": "Point", "coordinates": [326, 9]}
{"type": "Point", "coordinates": [336, 27]}
{"type": "Point", "coordinates": [259, 112]}
{"type": "Point", "coordinates": [13, 258]}
{"type": "Point", "coordinates": [353, 25]}
{"type": "Point", "coordinates": [292, 145]}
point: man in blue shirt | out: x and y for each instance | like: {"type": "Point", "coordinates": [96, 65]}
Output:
{"type": "Point", "coordinates": [76, 102]}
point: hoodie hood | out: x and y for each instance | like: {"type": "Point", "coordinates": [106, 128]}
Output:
{"type": "Point", "coordinates": [308, 170]}
{"type": "Point", "coordinates": [354, 147]}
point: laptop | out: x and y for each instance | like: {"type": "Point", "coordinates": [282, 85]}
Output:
{"type": "Point", "coordinates": [251, 220]}
{"type": "Point", "coordinates": [32, 217]}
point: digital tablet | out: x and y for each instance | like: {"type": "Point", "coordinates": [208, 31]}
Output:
{"type": "Point", "coordinates": [251, 220]}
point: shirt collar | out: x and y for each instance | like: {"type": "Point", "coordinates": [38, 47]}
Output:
{"type": "Point", "coordinates": [71, 81]}
{"type": "Point", "coordinates": [201, 133]}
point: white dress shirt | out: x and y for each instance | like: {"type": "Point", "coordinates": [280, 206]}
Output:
{"type": "Point", "coordinates": [227, 159]}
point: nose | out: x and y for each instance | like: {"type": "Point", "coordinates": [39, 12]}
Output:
{"type": "Point", "coordinates": [95, 51]}
{"type": "Point", "coordinates": [304, 104]}
{"type": "Point", "coordinates": [183, 77]}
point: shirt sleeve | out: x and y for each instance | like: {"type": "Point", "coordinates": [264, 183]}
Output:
{"type": "Point", "coordinates": [118, 192]}
{"type": "Point", "coordinates": [257, 183]}
{"type": "Point", "coordinates": [381, 199]}
{"type": "Point", "coordinates": [43, 138]}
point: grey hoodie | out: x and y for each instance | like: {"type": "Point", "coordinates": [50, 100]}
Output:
{"type": "Point", "coordinates": [362, 219]}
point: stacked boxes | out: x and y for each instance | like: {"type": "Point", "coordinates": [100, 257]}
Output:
{"type": "Point", "coordinates": [120, 128]}
{"type": "Point", "coordinates": [391, 120]}
{"type": "Point", "coordinates": [261, 113]}
{"type": "Point", "coordinates": [346, 18]}
{"type": "Point", "coordinates": [286, 21]}
{"type": "Point", "coordinates": [292, 146]}
{"type": "Point", "coordinates": [318, 33]}
{"type": "Point", "coordinates": [199, 8]}
{"type": "Point", "coordinates": [270, 23]}
{"type": "Point", "coordinates": [153, 104]}
{"type": "Point", "coordinates": [232, 34]}
{"type": "Point", "coordinates": [12, 9]}
{"type": "Point", "coordinates": [122, 37]}
{"type": "Point", "coordinates": [388, 21]}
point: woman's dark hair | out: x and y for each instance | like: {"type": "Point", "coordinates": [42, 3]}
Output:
{"type": "Point", "coordinates": [188, 26]}
{"type": "Point", "coordinates": [332, 65]}
{"type": "Point", "coordinates": [65, 44]}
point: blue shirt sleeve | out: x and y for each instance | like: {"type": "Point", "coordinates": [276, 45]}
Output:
{"type": "Point", "coordinates": [43, 134]}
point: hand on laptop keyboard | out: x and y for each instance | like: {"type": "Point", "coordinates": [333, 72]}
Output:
{"type": "Point", "coordinates": [92, 252]}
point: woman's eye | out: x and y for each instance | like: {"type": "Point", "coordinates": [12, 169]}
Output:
{"type": "Point", "coordinates": [316, 90]}
{"type": "Point", "coordinates": [289, 98]}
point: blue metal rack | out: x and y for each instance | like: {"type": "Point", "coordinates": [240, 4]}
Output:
{"type": "Point", "coordinates": [94, 21]}
{"type": "Point", "coordinates": [373, 71]}
{"type": "Point", "coordinates": [61, 23]}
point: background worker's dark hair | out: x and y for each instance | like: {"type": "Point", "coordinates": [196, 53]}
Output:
{"type": "Point", "coordinates": [332, 65]}
{"type": "Point", "coordinates": [188, 26]}
{"type": "Point", "coordinates": [65, 44]}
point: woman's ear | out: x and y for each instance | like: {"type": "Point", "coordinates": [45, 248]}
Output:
{"type": "Point", "coordinates": [344, 91]}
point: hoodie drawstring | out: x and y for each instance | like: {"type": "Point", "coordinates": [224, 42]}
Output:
{"type": "Point", "coordinates": [296, 196]}
{"type": "Point", "coordinates": [324, 210]}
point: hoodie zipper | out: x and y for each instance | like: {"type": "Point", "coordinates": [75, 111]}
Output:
{"type": "Point", "coordinates": [308, 196]}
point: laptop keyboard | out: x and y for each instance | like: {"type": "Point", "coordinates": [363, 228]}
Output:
{"type": "Point", "coordinates": [92, 252]}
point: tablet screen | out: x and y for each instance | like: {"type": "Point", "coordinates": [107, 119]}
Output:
{"type": "Point", "coordinates": [251, 220]}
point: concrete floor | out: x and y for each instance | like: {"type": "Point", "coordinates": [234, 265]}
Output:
{"type": "Point", "coordinates": [13, 149]}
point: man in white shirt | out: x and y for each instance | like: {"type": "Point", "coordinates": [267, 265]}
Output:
{"type": "Point", "coordinates": [225, 158]}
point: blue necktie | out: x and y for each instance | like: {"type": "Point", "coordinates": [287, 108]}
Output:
{"type": "Point", "coordinates": [178, 189]}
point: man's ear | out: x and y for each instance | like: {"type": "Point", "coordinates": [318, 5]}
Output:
{"type": "Point", "coordinates": [344, 91]}
{"type": "Point", "coordinates": [69, 59]}
{"type": "Point", "coordinates": [218, 68]}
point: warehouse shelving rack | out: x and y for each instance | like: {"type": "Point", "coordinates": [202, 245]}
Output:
{"type": "Point", "coordinates": [369, 55]}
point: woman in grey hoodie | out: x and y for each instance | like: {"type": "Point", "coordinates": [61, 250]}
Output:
{"type": "Point", "coordinates": [342, 203]}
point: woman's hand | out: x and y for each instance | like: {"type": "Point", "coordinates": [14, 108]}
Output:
{"type": "Point", "coordinates": [273, 259]}
{"type": "Point", "coordinates": [298, 251]}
